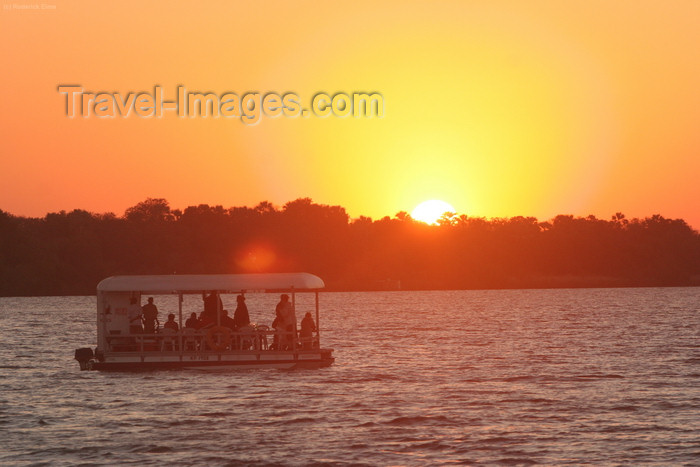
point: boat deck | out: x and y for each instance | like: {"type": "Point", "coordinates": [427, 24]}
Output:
{"type": "Point", "coordinates": [248, 349]}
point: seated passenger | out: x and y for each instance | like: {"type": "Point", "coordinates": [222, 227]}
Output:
{"type": "Point", "coordinates": [206, 321]}
{"type": "Point", "coordinates": [170, 323]}
{"type": "Point", "coordinates": [227, 321]}
{"type": "Point", "coordinates": [308, 327]}
{"type": "Point", "coordinates": [277, 326]}
{"type": "Point", "coordinates": [192, 321]}
{"type": "Point", "coordinates": [240, 316]}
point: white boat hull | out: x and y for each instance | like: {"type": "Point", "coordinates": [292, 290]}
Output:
{"type": "Point", "coordinates": [134, 361]}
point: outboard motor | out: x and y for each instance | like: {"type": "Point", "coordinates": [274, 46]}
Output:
{"type": "Point", "coordinates": [84, 356]}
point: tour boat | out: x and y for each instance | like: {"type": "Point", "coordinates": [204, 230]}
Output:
{"type": "Point", "coordinates": [120, 347]}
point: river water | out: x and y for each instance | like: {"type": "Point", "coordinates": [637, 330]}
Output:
{"type": "Point", "coordinates": [513, 377]}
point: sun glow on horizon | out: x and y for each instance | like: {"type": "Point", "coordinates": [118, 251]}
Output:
{"type": "Point", "coordinates": [430, 211]}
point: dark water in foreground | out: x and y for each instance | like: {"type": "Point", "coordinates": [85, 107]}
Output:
{"type": "Point", "coordinates": [590, 376]}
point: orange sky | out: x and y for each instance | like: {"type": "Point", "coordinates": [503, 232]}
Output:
{"type": "Point", "coordinates": [499, 108]}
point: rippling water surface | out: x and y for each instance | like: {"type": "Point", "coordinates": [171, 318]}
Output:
{"type": "Point", "coordinates": [468, 377]}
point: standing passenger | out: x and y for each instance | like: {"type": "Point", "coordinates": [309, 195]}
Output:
{"type": "Point", "coordinates": [287, 321]}
{"type": "Point", "coordinates": [212, 303]}
{"type": "Point", "coordinates": [133, 311]}
{"type": "Point", "coordinates": [150, 317]}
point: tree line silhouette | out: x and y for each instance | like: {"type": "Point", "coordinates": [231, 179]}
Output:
{"type": "Point", "coordinates": [68, 253]}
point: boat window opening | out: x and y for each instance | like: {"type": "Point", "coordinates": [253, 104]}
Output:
{"type": "Point", "coordinates": [258, 337]}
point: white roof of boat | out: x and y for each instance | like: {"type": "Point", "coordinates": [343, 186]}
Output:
{"type": "Point", "coordinates": [231, 283]}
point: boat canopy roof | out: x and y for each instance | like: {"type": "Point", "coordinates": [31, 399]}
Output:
{"type": "Point", "coordinates": [225, 283]}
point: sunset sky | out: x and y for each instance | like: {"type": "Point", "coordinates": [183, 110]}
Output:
{"type": "Point", "coordinates": [500, 108]}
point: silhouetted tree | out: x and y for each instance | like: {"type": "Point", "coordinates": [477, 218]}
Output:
{"type": "Point", "coordinates": [151, 210]}
{"type": "Point", "coordinates": [69, 252]}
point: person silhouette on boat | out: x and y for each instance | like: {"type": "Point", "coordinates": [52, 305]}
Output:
{"type": "Point", "coordinates": [212, 303]}
{"type": "Point", "coordinates": [192, 321]}
{"type": "Point", "coordinates": [134, 312]}
{"type": "Point", "coordinates": [170, 323]}
{"type": "Point", "coordinates": [286, 322]}
{"type": "Point", "coordinates": [308, 327]}
{"type": "Point", "coordinates": [206, 321]}
{"type": "Point", "coordinates": [150, 317]}
{"type": "Point", "coordinates": [227, 321]}
{"type": "Point", "coordinates": [240, 316]}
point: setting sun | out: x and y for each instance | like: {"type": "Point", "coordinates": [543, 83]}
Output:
{"type": "Point", "coordinates": [430, 211]}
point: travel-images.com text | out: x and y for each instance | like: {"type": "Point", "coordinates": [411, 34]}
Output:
{"type": "Point", "coordinates": [250, 107]}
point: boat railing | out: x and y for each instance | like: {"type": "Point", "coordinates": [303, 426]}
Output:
{"type": "Point", "coordinates": [211, 340]}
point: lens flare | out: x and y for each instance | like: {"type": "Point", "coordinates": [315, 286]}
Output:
{"type": "Point", "coordinates": [256, 258]}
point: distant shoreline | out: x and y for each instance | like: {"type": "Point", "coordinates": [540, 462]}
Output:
{"type": "Point", "coordinates": [68, 253]}
{"type": "Point", "coordinates": [329, 290]}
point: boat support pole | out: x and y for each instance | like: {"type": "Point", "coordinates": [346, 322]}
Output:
{"type": "Point", "coordinates": [218, 308]}
{"type": "Point", "coordinates": [318, 324]}
{"type": "Point", "coordinates": [179, 331]}
{"type": "Point", "coordinates": [294, 307]}
{"type": "Point", "coordinates": [219, 304]}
